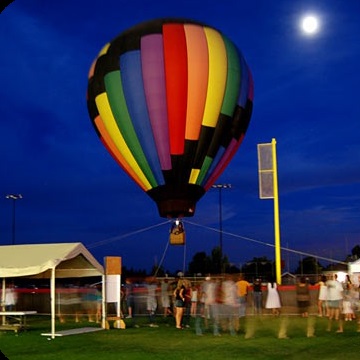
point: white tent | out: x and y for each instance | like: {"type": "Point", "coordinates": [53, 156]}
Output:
{"type": "Point", "coordinates": [354, 267]}
{"type": "Point", "coordinates": [51, 261]}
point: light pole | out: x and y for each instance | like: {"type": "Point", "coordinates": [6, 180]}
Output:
{"type": "Point", "coordinates": [14, 197]}
{"type": "Point", "coordinates": [220, 187]}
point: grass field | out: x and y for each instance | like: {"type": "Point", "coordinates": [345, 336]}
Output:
{"type": "Point", "coordinates": [166, 342]}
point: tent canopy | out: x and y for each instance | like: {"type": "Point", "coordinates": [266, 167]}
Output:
{"type": "Point", "coordinates": [354, 267]}
{"type": "Point", "coordinates": [38, 260]}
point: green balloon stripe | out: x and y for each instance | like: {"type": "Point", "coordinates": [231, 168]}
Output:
{"type": "Point", "coordinates": [120, 112]}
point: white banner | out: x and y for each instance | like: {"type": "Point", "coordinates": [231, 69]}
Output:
{"type": "Point", "coordinates": [112, 288]}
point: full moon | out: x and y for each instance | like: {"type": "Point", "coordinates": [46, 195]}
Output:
{"type": "Point", "coordinates": [310, 24]}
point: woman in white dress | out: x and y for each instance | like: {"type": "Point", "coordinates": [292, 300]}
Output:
{"type": "Point", "coordinates": [273, 298]}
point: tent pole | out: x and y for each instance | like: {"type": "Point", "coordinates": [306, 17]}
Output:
{"type": "Point", "coordinates": [118, 307]}
{"type": "Point", "coordinates": [103, 315]}
{"type": "Point", "coordinates": [3, 299]}
{"type": "Point", "coordinates": [52, 302]}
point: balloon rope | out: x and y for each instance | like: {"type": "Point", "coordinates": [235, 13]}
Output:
{"type": "Point", "coordinates": [268, 244]}
{"type": "Point", "coordinates": [184, 261]}
{"type": "Point", "coordinates": [163, 257]}
{"type": "Point", "coordinates": [119, 237]}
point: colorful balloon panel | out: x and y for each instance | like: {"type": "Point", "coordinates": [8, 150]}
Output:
{"type": "Point", "coordinates": [171, 100]}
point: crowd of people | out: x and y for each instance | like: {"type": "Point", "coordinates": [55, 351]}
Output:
{"type": "Point", "coordinates": [217, 304]}
{"type": "Point", "coordinates": [222, 304]}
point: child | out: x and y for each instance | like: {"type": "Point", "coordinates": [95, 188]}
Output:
{"type": "Point", "coordinates": [348, 310]}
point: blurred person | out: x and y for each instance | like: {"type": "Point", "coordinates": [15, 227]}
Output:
{"type": "Point", "coordinates": [257, 296]}
{"type": "Point", "coordinates": [129, 298]}
{"type": "Point", "coordinates": [349, 300]}
{"type": "Point", "coordinates": [357, 301]}
{"type": "Point", "coordinates": [200, 314]}
{"type": "Point", "coordinates": [194, 300]}
{"type": "Point", "coordinates": [323, 309]}
{"type": "Point", "coordinates": [10, 297]}
{"type": "Point", "coordinates": [91, 302]}
{"type": "Point", "coordinates": [151, 303]}
{"type": "Point", "coordinates": [335, 297]}
{"type": "Point", "coordinates": [187, 308]}
{"type": "Point", "coordinates": [165, 297]}
{"type": "Point", "coordinates": [216, 309]}
{"type": "Point", "coordinates": [242, 291]}
{"type": "Point", "coordinates": [229, 303]}
{"type": "Point", "coordinates": [210, 304]}
{"type": "Point", "coordinates": [303, 296]}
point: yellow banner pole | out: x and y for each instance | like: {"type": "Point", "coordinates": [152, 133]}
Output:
{"type": "Point", "coordinates": [276, 215]}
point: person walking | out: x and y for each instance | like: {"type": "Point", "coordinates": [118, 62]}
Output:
{"type": "Point", "coordinates": [129, 298]}
{"type": "Point", "coordinates": [257, 295]}
{"type": "Point", "coordinates": [242, 291]}
{"type": "Point", "coordinates": [303, 297]}
{"type": "Point", "coordinates": [335, 297]}
{"type": "Point", "coordinates": [151, 302]}
{"type": "Point", "coordinates": [348, 300]}
{"type": "Point", "coordinates": [194, 300]}
{"type": "Point", "coordinates": [10, 297]}
{"type": "Point", "coordinates": [229, 304]}
{"type": "Point", "coordinates": [165, 297]}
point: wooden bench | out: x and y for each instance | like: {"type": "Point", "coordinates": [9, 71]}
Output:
{"type": "Point", "coordinates": [15, 320]}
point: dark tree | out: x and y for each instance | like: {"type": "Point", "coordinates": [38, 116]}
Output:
{"type": "Point", "coordinates": [216, 263]}
{"type": "Point", "coordinates": [258, 267]}
{"type": "Point", "coordinates": [356, 252]}
{"type": "Point", "coordinates": [200, 264]}
{"type": "Point", "coordinates": [309, 265]}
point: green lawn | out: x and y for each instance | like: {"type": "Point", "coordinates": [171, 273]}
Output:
{"type": "Point", "coordinates": [166, 342]}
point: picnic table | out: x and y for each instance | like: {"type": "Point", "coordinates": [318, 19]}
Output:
{"type": "Point", "coordinates": [15, 320]}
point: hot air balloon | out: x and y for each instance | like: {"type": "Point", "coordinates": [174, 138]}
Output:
{"type": "Point", "coordinates": [171, 100]}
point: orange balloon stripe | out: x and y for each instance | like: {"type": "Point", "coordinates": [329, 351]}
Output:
{"type": "Point", "coordinates": [175, 58]}
{"type": "Point", "coordinates": [92, 68]}
{"type": "Point", "coordinates": [115, 152]}
{"type": "Point", "coordinates": [198, 73]}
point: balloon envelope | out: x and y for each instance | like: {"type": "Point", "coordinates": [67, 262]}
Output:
{"type": "Point", "coordinates": [171, 100]}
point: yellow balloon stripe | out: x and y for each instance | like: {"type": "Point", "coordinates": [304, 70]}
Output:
{"type": "Point", "coordinates": [104, 49]}
{"type": "Point", "coordinates": [102, 103]}
{"type": "Point", "coordinates": [102, 52]}
{"type": "Point", "coordinates": [109, 144]}
{"type": "Point", "coordinates": [194, 175]}
{"type": "Point", "coordinates": [217, 77]}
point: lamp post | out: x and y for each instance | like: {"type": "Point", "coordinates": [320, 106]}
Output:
{"type": "Point", "coordinates": [13, 197]}
{"type": "Point", "coordinates": [220, 187]}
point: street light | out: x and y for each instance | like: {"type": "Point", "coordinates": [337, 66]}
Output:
{"type": "Point", "coordinates": [13, 197]}
{"type": "Point", "coordinates": [220, 187]}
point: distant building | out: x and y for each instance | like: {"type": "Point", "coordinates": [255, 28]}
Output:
{"type": "Point", "coordinates": [288, 279]}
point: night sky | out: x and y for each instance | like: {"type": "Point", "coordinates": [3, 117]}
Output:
{"type": "Point", "coordinates": [306, 97]}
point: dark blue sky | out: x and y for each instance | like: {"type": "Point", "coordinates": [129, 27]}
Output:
{"type": "Point", "coordinates": [306, 96]}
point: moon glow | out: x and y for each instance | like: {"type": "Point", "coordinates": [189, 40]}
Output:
{"type": "Point", "coordinates": [310, 24]}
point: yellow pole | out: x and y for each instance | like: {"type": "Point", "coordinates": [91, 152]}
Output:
{"type": "Point", "coordinates": [276, 215]}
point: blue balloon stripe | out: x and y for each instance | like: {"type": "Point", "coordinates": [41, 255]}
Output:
{"type": "Point", "coordinates": [214, 164]}
{"type": "Point", "coordinates": [131, 75]}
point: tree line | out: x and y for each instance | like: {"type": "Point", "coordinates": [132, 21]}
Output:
{"type": "Point", "coordinates": [216, 262]}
